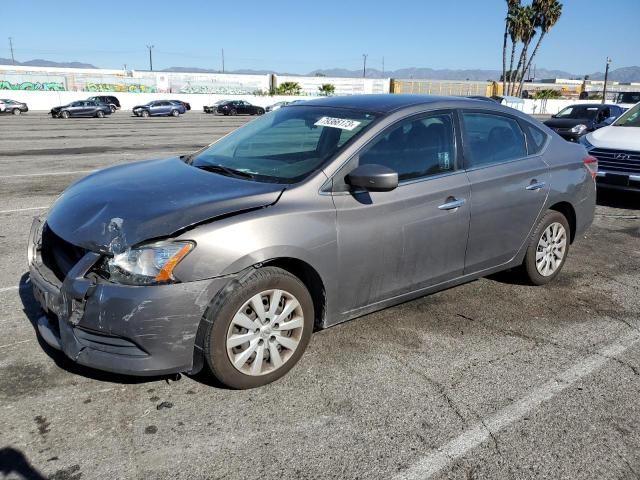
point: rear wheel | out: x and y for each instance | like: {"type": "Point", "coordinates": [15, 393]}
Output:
{"type": "Point", "coordinates": [258, 329]}
{"type": "Point", "coordinates": [548, 249]}
{"type": "Point", "coordinates": [16, 111]}
{"type": "Point", "coordinates": [64, 114]}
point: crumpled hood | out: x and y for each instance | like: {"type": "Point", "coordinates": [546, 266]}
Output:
{"type": "Point", "coordinates": [116, 208]}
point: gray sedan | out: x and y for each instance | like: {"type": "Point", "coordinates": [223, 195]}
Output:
{"type": "Point", "coordinates": [229, 258]}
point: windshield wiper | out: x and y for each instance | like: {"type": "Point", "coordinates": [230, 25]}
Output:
{"type": "Point", "coordinates": [230, 172]}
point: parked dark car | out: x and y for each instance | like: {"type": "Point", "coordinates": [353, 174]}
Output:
{"type": "Point", "coordinates": [110, 100]}
{"type": "Point", "coordinates": [213, 108]}
{"type": "Point", "coordinates": [186, 105]}
{"type": "Point", "coordinates": [81, 108]}
{"type": "Point", "coordinates": [12, 106]}
{"type": "Point", "coordinates": [230, 257]}
{"type": "Point", "coordinates": [239, 107]}
{"type": "Point", "coordinates": [159, 108]}
{"type": "Point", "coordinates": [574, 121]}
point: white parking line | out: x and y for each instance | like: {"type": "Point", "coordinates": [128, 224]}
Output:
{"type": "Point", "coordinates": [473, 437]}
{"type": "Point", "coordinates": [9, 289]}
{"type": "Point", "coordinates": [23, 209]}
{"type": "Point", "coordinates": [47, 174]}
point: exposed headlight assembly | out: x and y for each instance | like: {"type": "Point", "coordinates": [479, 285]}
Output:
{"type": "Point", "coordinates": [579, 129]}
{"type": "Point", "coordinates": [147, 264]}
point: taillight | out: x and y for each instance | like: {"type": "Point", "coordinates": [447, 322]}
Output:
{"type": "Point", "coordinates": [591, 164]}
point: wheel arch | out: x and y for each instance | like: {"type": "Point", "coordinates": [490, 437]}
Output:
{"type": "Point", "coordinates": [566, 209]}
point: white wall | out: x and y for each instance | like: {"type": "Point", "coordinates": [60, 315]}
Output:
{"type": "Point", "coordinates": [39, 100]}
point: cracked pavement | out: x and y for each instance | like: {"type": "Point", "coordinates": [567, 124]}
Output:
{"type": "Point", "coordinates": [379, 397]}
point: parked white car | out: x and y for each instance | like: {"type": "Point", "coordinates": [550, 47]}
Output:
{"type": "Point", "coordinates": [617, 148]}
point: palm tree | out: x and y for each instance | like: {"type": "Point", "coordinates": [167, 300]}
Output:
{"type": "Point", "coordinates": [289, 88]}
{"type": "Point", "coordinates": [547, 15]}
{"type": "Point", "coordinates": [516, 28]}
{"type": "Point", "coordinates": [527, 23]}
{"type": "Point", "coordinates": [327, 89]}
{"type": "Point", "coordinates": [511, 5]}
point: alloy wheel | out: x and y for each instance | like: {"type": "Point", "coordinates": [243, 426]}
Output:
{"type": "Point", "coordinates": [551, 249]}
{"type": "Point", "coordinates": [265, 332]}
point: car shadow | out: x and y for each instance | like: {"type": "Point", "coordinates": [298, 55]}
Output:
{"type": "Point", "coordinates": [618, 199]}
{"type": "Point", "coordinates": [33, 312]}
{"type": "Point", "coordinates": [13, 461]}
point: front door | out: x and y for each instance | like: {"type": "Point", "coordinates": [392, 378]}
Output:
{"type": "Point", "coordinates": [509, 187]}
{"type": "Point", "coordinates": [390, 243]}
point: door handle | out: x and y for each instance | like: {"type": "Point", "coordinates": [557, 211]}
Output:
{"type": "Point", "coordinates": [535, 186]}
{"type": "Point", "coordinates": [452, 204]}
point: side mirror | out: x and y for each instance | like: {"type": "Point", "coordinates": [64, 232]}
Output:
{"type": "Point", "coordinates": [373, 178]}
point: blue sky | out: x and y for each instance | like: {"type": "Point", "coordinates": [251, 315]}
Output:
{"type": "Point", "coordinates": [299, 36]}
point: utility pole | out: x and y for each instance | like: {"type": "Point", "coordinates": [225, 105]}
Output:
{"type": "Point", "coordinates": [223, 60]}
{"type": "Point", "coordinates": [606, 77]}
{"type": "Point", "coordinates": [13, 58]}
{"type": "Point", "coordinates": [382, 67]}
{"type": "Point", "coordinates": [150, 47]}
{"type": "Point", "coordinates": [364, 65]}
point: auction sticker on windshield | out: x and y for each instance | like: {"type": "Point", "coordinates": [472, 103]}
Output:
{"type": "Point", "coordinates": [342, 123]}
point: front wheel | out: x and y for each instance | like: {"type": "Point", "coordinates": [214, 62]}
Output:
{"type": "Point", "coordinates": [17, 111]}
{"type": "Point", "coordinates": [175, 113]}
{"type": "Point", "coordinates": [233, 111]}
{"type": "Point", "coordinates": [548, 248]}
{"type": "Point", "coordinates": [144, 113]}
{"type": "Point", "coordinates": [100, 114]}
{"type": "Point", "coordinates": [65, 114]}
{"type": "Point", "coordinates": [113, 108]}
{"type": "Point", "coordinates": [258, 329]}
{"type": "Point", "coordinates": [260, 111]}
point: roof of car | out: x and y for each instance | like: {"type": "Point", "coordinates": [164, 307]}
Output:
{"type": "Point", "coordinates": [386, 103]}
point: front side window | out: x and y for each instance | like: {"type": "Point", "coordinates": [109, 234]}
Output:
{"type": "Point", "coordinates": [284, 146]}
{"type": "Point", "coordinates": [415, 148]}
{"type": "Point", "coordinates": [491, 139]}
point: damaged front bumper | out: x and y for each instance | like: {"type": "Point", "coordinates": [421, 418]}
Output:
{"type": "Point", "coordinates": [137, 330]}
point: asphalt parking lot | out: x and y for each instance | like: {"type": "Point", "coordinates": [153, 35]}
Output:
{"type": "Point", "coordinates": [488, 380]}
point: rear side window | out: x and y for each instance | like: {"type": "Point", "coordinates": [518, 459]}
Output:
{"type": "Point", "coordinates": [492, 139]}
{"type": "Point", "coordinates": [536, 138]}
{"type": "Point", "coordinates": [415, 148]}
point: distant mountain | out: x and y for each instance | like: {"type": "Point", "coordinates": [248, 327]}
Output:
{"type": "Point", "coordinates": [624, 74]}
{"type": "Point", "coordinates": [46, 63]}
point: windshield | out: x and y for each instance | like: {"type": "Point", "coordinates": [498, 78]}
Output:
{"type": "Point", "coordinates": [285, 146]}
{"type": "Point", "coordinates": [630, 118]}
{"type": "Point", "coordinates": [628, 97]}
{"type": "Point", "coordinates": [578, 111]}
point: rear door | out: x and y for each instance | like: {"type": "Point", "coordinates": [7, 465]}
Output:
{"type": "Point", "coordinates": [395, 242]}
{"type": "Point", "coordinates": [509, 187]}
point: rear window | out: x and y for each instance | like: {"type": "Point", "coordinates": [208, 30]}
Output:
{"type": "Point", "coordinates": [536, 138]}
{"type": "Point", "coordinates": [492, 139]}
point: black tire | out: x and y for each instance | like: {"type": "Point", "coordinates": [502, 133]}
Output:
{"type": "Point", "coordinates": [260, 111]}
{"type": "Point", "coordinates": [219, 315]}
{"type": "Point", "coordinates": [232, 112]}
{"type": "Point", "coordinates": [113, 108]}
{"type": "Point", "coordinates": [64, 114]}
{"type": "Point", "coordinates": [16, 111]}
{"type": "Point", "coordinates": [529, 269]}
{"type": "Point", "coordinates": [100, 114]}
{"type": "Point", "coordinates": [144, 113]}
{"type": "Point", "coordinates": [175, 113]}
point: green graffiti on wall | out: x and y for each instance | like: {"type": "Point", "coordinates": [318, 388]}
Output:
{"type": "Point", "coordinates": [119, 87]}
{"type": "Point", "coordinates": [41, 86]}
